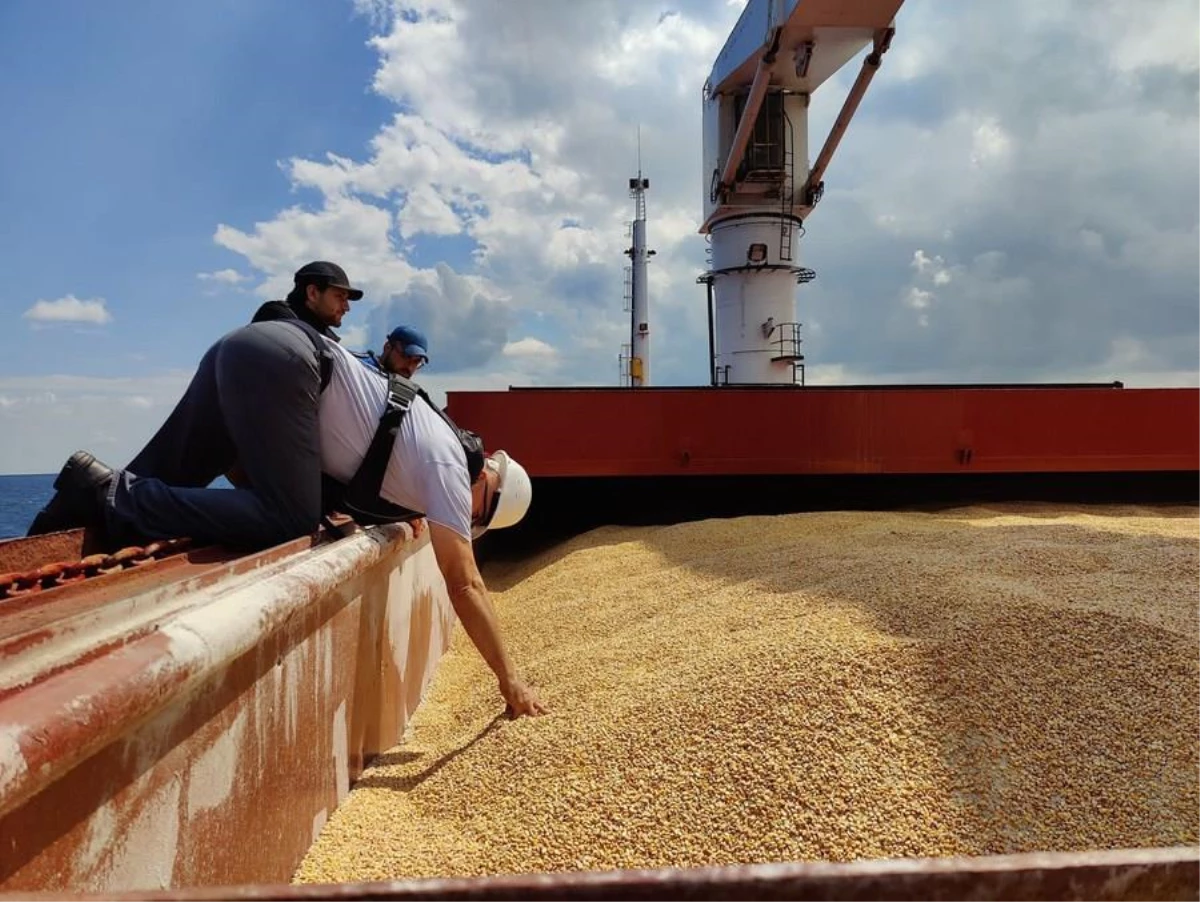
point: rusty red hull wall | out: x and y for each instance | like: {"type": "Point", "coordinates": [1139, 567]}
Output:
{"type": "Point", "coordinates": [224, 737]}
{"type": "Point", "coordinates": [885, 430]}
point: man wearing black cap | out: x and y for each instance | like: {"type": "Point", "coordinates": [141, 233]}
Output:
{"type": "Point", "coordinates": [253, 403]}
{"type": "Point", "coordinates": [253, 400]}
{"type": "Point", "coordinates": [320, 296]}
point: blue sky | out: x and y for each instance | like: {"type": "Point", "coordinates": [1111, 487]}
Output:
{"type": "Point", "coordinates": [998, 211]}
{"type": "Point", "coordinates": [137, 127]}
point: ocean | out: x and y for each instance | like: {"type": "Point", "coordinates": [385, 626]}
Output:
{"type": "Point", "coordinates": [21, 497]}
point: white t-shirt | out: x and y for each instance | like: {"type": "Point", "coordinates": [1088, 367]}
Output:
{"type": "Point", "coordinates": [428, 468]}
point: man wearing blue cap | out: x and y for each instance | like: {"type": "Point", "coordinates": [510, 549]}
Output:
{"type": "Point", "coordinates": [404, 352]}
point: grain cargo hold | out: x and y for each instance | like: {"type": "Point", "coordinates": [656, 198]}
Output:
{"type": "Point", "coordinates": [825, 686]}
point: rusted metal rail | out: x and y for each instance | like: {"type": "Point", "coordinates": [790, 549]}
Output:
{"type": "Point", "coordinates": [60, 573]}
{"type": "Point", "coordinates": [1169, 873]}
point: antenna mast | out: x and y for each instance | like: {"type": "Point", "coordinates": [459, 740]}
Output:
{"type": "Point", "coordinates": [635, 369]}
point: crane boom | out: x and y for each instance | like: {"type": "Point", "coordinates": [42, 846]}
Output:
{"type": "Point", "coordinates": [760, 186]}
{"type": "Point", "coordinates": [790, 47]}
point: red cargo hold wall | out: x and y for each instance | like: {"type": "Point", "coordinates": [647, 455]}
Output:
{"type": "Point", "coordinates": [916, 430]}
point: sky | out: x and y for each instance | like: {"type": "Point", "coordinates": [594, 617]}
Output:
{"type": "Point", "coordinates": [1016, 200]}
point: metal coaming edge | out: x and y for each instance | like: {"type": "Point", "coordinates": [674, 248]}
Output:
{"type": "Point", "coordinates": [156, 668]}
{"type": "Point", "coordinates": [1056, 875]}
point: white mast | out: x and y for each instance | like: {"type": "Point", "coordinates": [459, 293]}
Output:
{"type": "Point", "coordinates": [636, 296]}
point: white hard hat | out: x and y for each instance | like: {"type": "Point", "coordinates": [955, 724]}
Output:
{"type": "Point", "coordinates": [515, 493]}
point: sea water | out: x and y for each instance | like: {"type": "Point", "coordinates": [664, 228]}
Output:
{"type": "Point", "coordinates": [21, 497]}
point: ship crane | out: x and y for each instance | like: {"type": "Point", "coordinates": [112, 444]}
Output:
{"type": "Point", "coordinates": [759, 187]}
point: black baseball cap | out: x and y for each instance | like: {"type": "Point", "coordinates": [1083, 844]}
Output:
{"type": "Point", "coordinates": [327, 274]}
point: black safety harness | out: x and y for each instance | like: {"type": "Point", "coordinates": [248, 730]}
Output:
{"type": "Point", "coordinates": [361, 497]}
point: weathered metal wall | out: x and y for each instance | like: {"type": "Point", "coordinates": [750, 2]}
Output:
{"type": "Point", "coordinates": [210, 747]}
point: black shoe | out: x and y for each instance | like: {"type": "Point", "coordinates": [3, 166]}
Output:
{"type": "Point", "coordinates": [79, 501]}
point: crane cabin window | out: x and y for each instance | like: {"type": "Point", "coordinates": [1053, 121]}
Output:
{"type": "Point", "coordinates": [764, 155]}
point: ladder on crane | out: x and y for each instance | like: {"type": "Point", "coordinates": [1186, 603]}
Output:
{"type": "Point", "coordinates": [786, 194]}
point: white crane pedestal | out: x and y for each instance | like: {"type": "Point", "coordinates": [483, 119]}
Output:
{"type": "Point", "coordinates": [759, 186]}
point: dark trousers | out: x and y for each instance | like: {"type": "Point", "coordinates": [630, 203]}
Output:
{"type": "Point", "coordinates": [253, 401]}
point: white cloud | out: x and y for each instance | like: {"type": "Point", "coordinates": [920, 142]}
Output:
{"type": "Point", "coordinates": [923, 263]}
{"type": "Point", "coordinates": [224, 277]}
{"type": "Point", "coordinates": [354, 337]}
{"type": "Point", "coordinates": [934, 270]}
{"type": "Point", "coordinates": [990, 143]}
{"type": "Point", "coordinates": [425, 212]}
{"type": "Point", "coordinates": [532, 170]}
{"type": "Point", "coordinates": [677, 49]}
{"type": "Point", "coordinates": [529, 347]}
{"type": "Point", "coordinates": [354, 233]}
{"type": "Point", "coordinates": [1048, 186]}
{"type": "Point", "coordinates": [918, 298]}
{"type": "Point", "coordinates": [57, 415]}
{"type": "Point", "coordinates": [515, 130]}
{"type": "Point", "coordinates": [1143, 37]}
{"type": "Point", "coordinates": [69, 310]}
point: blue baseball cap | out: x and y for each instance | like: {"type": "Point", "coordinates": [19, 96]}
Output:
{"type": "Point", "coordinates": [410, 341]}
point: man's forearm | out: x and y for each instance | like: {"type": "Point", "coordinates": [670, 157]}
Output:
{"type": "Point", "coordinates": [478, 618]}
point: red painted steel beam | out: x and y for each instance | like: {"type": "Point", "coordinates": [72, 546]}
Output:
{"type": "Point", "coordinates": [741, 137]}
{"type": "Point", "coordinates": [868, 430]}
{"type": "Point", "coordinates": [870, 66]}
{"type": "Point", "coordinates": [1169, 873]}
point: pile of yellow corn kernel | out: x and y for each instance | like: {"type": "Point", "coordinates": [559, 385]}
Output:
{"type": "Point", "coordinates": [824, 686]}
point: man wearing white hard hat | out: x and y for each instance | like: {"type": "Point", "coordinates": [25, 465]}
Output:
{"type": "Point", "coordinates": [307, 416]}
{"type": "Point", "coordinates": [510, 494]}
{"type": "Point", "coordinates": [426, 469]}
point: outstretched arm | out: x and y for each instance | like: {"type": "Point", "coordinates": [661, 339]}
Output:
{"type": "Point", "coordinates": [468, 594]}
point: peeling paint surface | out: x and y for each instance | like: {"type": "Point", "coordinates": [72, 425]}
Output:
{"type": "Point", "coordinates": [211, 749]}
{"type": "Point", "coordinates": [326, 660]}
{"type": "Point", "coordinates": [144, 856]}
{"type": "Point", "coordinates": [288, 683]}
{"type": "Point", "coordinates": [341, 767]}
{"type": "Point", "coordinates": [12, 760]}
{"type": "Point", "coordinates": [211, 778]}
{"type": "Point", "coordinates": [101, 827]}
